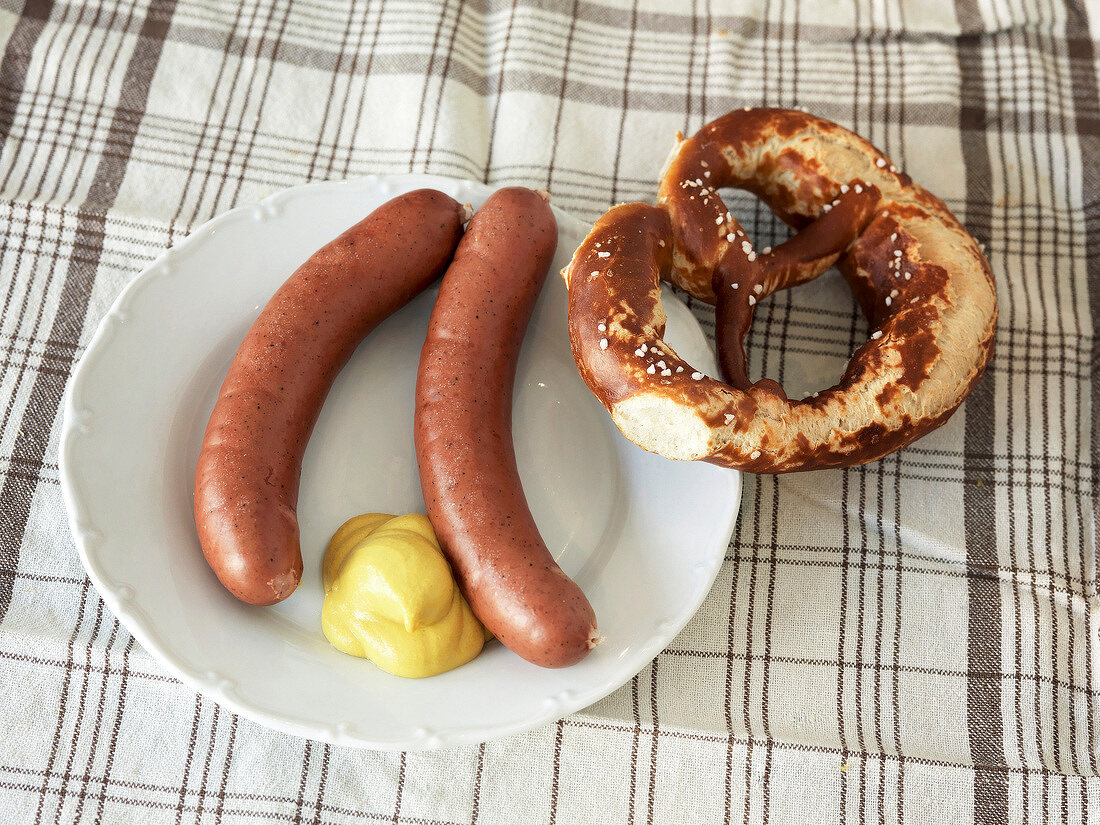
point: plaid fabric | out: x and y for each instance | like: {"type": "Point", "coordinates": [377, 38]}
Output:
{"type": "Point", "coordinates": [912, 641]}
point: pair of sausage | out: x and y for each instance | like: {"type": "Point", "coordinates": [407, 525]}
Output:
{"type": "Point", "coordinates": [247, 477]}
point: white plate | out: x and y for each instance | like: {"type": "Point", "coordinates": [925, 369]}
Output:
{"type": "Point", "coordinates": [643, 536]}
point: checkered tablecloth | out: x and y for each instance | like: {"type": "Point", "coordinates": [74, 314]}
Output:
{"type": "Point", "coordinates": [913, 641]}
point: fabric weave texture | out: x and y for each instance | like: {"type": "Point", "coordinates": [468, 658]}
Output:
{"type": "Point", "coordinates": [912, 641]}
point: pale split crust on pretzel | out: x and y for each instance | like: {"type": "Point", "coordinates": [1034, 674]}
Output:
{"type": "Point", "coordinates": [920, 278]}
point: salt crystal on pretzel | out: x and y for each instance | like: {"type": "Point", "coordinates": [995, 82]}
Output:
{"type": "Point", "coordinates": [928, 348]}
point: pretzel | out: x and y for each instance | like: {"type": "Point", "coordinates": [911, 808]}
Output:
{"type": "Point", "coordinates": [921, 280]}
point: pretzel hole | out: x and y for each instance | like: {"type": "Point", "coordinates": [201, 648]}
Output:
{"type": "Point", "coordinates": [805, 337]}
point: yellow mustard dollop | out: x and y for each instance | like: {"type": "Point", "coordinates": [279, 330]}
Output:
{"type": "Point", "coordinates": [390, 596]}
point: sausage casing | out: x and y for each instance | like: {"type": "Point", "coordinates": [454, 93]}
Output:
{"type": "Point", "coordinates": [246, 480]}
{"type": "Point", "coordinates": [463, 432]}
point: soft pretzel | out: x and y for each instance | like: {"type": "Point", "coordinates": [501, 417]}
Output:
{"type": "Point", "coordinates": [921, 280]}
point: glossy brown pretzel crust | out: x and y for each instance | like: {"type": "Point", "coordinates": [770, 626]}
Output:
{"type": "Point", "coordinates": [920, 278]}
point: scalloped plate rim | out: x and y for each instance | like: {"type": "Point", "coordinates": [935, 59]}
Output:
{"type": "Point", "coordinates": [339, 733]}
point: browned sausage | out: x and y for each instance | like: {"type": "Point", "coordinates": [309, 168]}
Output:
{"type": "Point", "coordinates": [246, 481]}
{"type": "Point", "coordinates": [463, 432]}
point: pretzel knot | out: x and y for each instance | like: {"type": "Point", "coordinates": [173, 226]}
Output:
{"type": "Point", "coordinates": [920, 279]}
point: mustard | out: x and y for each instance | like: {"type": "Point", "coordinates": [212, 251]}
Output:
{"type": "Point", "coordinates": [390, 596]}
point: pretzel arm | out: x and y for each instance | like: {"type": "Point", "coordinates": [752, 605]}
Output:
{"type": "Point", "coordinates": [818, 246]}
{"type": "Point", "coordinates": [744, 277]}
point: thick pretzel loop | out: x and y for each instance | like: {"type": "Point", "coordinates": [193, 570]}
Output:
{"type": "Point", "coordinates": [920, 279]}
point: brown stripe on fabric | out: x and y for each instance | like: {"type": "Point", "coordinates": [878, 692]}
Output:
{"type": "Point", "coordinates": [1020, 553]}
{"type": "Point", "coordinates": [63, 701]}
{"type": "Point", "coordinates": [211, 741]}
{"type": "Point", "coordinates": [984, 722]}
{"type": "Point", "coordinates": [345, 38]}
{"type": "Point", "coordinates": [97, 723]}
{"type": "Point", "coordinates": [326, 754]}
{"type": "Point", "coordinates": [71, 91]}
{"type": "Point", "coordinates": [208, 117]}
{"type": "Point", "coordinates": [562, 94]}
{"type": "Point", "coordinates": [1082, 71]}
{"type": "Point", "coordinates": [636, 715]}
{"type": "Point", "coordinates": [624, 103]}
{"type": "Point", "coordinates": [191, 739]}
{"type": "Point", "coordinates": [239, 131]}
{"type": "Point", "coordinates": [556, 776]}
{"type": "Point", "coordinates": [899, 151]}
{"type": "Point", "coordinates": [51, 58]}
{"type": "Point", "coordinates": [45, 396]}
{"type": "Point", "coordinates": [115, 728]}
{"type": "Point", "coordinates": [225, 771]}
{"type": "Point", "coordinates": [895, 657]}
{"type": "Point", "coordinates": [400, 788]}
{"type": "Point", "coordinates": [498, 92]}
{"type": "Point", "coordinates": [17, 58]}
{"type": "Point", "coordinates": [443, 75]}
{"type": "Point", "coordinates": [371, 50]}
{"type": "Point", "coordinates": [248, 74]}
{"type": "Point", "coordinates": [300, 802]}
{"type": "Point", "coordinates": [750, 609]}
{"type": "Point", "coordinates": [24, 241]}
{"type": "Point", "coordinates": [654, 740]}
{"type": "Point", "coordinates": [475, 807]}
{"type": "Point", "coordinates": [1052, 239]}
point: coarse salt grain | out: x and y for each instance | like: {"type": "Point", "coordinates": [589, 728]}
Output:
{"type": "Point", "coordinates": [660, 243]}
{"type": "Point", "coordinates": [729, 417]}
{"type": "Point", "coordinates": [661, 365]}
{"type": "Point", "coordinates": [908, 275]}
{"type": "Point", "coordinates": [859, 189]}
{"type": "Point", "coordinates": [679, 369]}
{"type": "Point", "coordinates": [826, 207]}
{"type": "Point", "coordinates": [889, 300]}
{"type": "Point", "coordinates": [755, 454]}
{"type": "Point", "coordinates": [718, 221]}
{"type": "Point", "coordinates": [666, 372]}
{"type": "Point", "coordinates": [767, 250]}
{"type": "Point", "coordinates": [844, 189]}
{"type": "Point", "coordinates": [601, 327]}
{"type": "Point", "coordinates": [603, 254]}
{"type": "Point", "coordinates": [893, 293]}
{"type": "Point", "coordinates": [752, 256]}
{"type": "Point", "coordinates": [730, 237]}
{"type": "Point", "coordinates": [752, 300]}
{"type": "Point", "coordinates": [652, 369]}
{"type": "Point", "coordinates": [880, 163]}
{"type": "Point", "coordinates": [643, 348]}
{"type": "Point", "coordinates": [703, 163]}
{"type": "Point", "coordinates": [897, 253]}
{"type": "Point", "coordinates": [876, 334]}
{"type": "Point", "coordinates": [696, 375]}
{"type": "Point", "coordinates": [758, 288]}
{"type": "Point", "coordinates": [746, 247]}
{"type": "Point", "coordinates": [894, 237]}
{"type": "Point", "coordinates": [735, 286]}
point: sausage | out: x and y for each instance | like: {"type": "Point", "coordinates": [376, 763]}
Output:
{"type": "Point", "coordinates": [463, 434]}
{"type": "Point", "coordinates": [246, 480]}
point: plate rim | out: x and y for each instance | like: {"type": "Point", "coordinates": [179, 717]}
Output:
{"type": "Point", "coordinates": [75, 426]}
